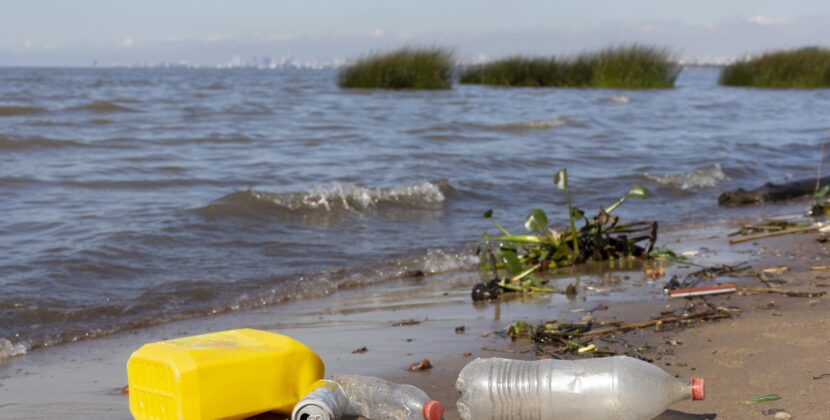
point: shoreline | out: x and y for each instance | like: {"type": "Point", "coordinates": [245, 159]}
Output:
{"type": "Point", "coordinates": [81, 380]}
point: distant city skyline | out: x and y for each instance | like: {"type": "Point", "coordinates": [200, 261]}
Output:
{"type": "Point", "coordinates": [325, 32]}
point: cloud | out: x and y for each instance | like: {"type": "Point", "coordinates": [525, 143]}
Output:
{"type": "Point", "coordinates": [127, 42]}
{"type": "Point", "coordinates": [376, 33]}
{"type": "Point", "coordinates": [768, 20]}
{"type": "Point", "coordinates": [27, 44]}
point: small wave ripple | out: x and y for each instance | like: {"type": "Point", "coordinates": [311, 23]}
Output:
{"type": "Point", "coordinates": [102, 107]}
{"type": "Point", "coordinates": [35, 143]}
{"type": "Point", "coordinates": [14, 111]}
{"type": "Point", "coordinates": [527, 125]}
{"type": "Point", "coordinates": [704, 177]}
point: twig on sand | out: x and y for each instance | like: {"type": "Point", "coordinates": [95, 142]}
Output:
{"type": "Point", "coordinates": [764, 235]}
{"type": "Point", "coordinates": [790, 293]}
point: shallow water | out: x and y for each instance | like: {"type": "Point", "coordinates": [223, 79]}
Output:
{"type": "Point", "coordinates": [132, 197]}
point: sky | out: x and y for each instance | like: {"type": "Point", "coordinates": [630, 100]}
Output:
{"type": "Point", "coordinates": [211, 32]}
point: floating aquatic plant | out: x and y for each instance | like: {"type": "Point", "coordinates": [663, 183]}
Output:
{"type": "Point", "coordinates": [544, 248]}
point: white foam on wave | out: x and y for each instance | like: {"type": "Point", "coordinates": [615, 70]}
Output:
{"type": "Point", "coordinates": [339, 196]}
{"type": "Point", "coordinates": [705, 177]}
{"type": "Point", "coordinates": [9, 349]}
{"type": "Point", "coordinates": [619, 99]}
{"type": "Point", "coordinates": [442, 261]}
{"type": "Point", "coordinates": [531, 125]}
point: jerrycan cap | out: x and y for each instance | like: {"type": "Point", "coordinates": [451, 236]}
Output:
{"type": "Point", "coordinates": [697, 389]}
{"type": "Point", "coordinates": [433, 410]}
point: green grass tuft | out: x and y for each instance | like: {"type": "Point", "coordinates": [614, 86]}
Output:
{"type": "Point", "coordinates": [407, 68]}
{"type": "Point", "coordinates": [628, 67]}
{"type": "Point", "coordinates": [806, 68]}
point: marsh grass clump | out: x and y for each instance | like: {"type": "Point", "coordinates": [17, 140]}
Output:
{"type": "Point", "coordinates": [628, 67]}
{"type": "Point", "coordinates": [407, 68]}
{"type": "Point", "coordinates": [806, 68]}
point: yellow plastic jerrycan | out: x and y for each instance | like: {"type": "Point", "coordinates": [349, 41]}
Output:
{"type": "Point", "coordinates": [224, 375]}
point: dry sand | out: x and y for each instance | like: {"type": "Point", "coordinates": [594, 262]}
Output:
{"type": "Point", "coordinates": [777, 344]}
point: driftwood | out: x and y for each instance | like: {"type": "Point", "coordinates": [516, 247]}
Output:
{"type": "Point", "coordinates": [770, 192]}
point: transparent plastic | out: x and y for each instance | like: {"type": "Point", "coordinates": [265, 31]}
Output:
{"type": "Point", "coordinates": [368, 397]}
{"type": "Point", "coordinates": [590, 389]}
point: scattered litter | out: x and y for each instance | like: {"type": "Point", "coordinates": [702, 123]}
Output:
{"type": "Point", "coordinates": [587, 349]}
{"type": "Point", "coordinates": [782, 415]}
{"type": "Point", "coordinates": [485, 334]}
{"type": "Point", "coordinates": [406, 323]}
{"type": "Point", "coordinates": [821, 376]}
{"type": "Point", "coordinates": [419, 366]}
{"type": "Point", "coordinates": [703, 290]}
{"type": "Point", "coordinates": [776, 270]}
{"type": "Point", "coordinates": [467, 354]}
{"type": "Point", "coordinates": [360, 350]}
{"type": "Point", "coordinates": [655, 273]}
{"type": "Point", "coordinates": [765, 398]}
{"type": "Point", "coordinates": [690, 253]}
{"type": "Point", "coordinates": [460, 329]}
{"type": "Point", "coordinates": [820, 268]}
{"type": "Point", "coordinates": [124, 390]}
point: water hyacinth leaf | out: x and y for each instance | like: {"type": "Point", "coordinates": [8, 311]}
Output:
{"type": "Point", "coordinates": [823, 192]}
{"type": "Point", "coordinates": [488, 214]}
{"type": "Point", "coordinates": [511, 261]}
{"type": "Point", "coordinates": [637, 191]}
{"type": "Point", "coordinates": [765, 398]}
{"type": "Point", "coordinates": [561, 179]}
{"type": "Point", "coordinates": [536, 220]}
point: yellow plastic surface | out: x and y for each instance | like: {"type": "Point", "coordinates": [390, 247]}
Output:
{"type": "Point", "coordinates": [225, 375]}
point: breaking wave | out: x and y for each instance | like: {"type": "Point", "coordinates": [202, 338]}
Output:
{"type": "Point", "coordinates": [428, 195]}
{"type": "Point", "coordinates": [705, 177]}
{"type": "Point", "coordinates": [13, 111]}
{"type": "Point", "coordinates": [9, 349]}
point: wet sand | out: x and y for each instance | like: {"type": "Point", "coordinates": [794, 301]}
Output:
{"type": "Point", "coordinates": [777, 344]}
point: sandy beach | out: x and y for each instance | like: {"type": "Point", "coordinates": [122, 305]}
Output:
{"type": "Point", "coordinates": [774, 344]}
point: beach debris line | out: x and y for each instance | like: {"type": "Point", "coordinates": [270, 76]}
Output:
{"type": "Point", "coordinates": [544, 248]}
{"type": "Point", "coordinates": [556, 339]}
{"type": "Point", "coordinates": [693, 279]}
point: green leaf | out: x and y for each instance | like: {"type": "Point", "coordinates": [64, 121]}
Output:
{"type": "Point", "coordinates": [823, 192]}
{"type": "Point", "coordinates": [637, 191]}
{"type": "Point", "coordinates": [488, 214]}
{"type": "Point", "coordinates": [577, 213]}
{"type": "Point", "coordinates": [765, 398]}
{"type": "Point", "coordinates": [536, 220]}
{"type": "Point", "coordinates": [561, 179]}
{"type": "Point", "coordinates": [511, 261]}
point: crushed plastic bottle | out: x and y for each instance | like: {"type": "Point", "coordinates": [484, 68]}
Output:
{"type": "Point", "coordinates": [591, 389]}
{"type": "Point", "coordinates": [368, 397]}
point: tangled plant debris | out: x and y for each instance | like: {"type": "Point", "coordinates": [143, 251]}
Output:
{"type": "Point", "coordinates": [575, 339]}
{"type": "Point", "coordinates": [544, 248]}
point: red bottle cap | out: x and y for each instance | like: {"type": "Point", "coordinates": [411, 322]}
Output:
{"type": "Point", "coordinates": [433, 410]}
{"type": "Point", "coordinates": [697, 389]}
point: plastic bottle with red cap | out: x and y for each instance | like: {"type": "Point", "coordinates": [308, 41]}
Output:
{"type": "Point", "coordinates": [590, 389]}
{"type": "Point", "coordinates": [367, 397]}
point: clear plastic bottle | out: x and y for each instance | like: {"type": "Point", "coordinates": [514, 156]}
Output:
{"type": "Point", "coordinates": [590, 389]}
{"type": "Point", "coordinates": [368, 397]}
